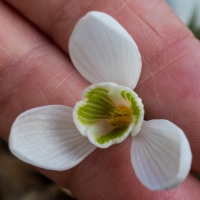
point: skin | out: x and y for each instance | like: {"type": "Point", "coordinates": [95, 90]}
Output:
{"type": "Point", "coordinates": [35, 70]}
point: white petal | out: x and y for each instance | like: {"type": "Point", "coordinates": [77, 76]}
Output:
{"type": "Point", "coordinates": [103, 51]}
{"type": "Point", "coordinates": [47, 137]}
{"type": "Point", "coordinates": [184, 9]}
{"type": "Point", "coordinates": [160, 155]}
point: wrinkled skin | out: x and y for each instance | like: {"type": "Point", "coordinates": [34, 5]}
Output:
{"type": "Point", "coordinates": [35, 70]}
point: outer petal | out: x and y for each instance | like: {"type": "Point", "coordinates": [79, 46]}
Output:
{"type": "Point", "coordinates": [47, 137]}
{"type": "Point", "coordinates": [160, 155]}
{"type": "Point", "coordinates": [103, 51]}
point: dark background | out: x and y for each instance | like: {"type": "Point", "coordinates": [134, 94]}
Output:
{"type": "Point", "coordinates": [20, 181]}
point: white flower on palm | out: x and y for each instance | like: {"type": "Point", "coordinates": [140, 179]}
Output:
{"type": "Point", "coordinates": [58, 137]}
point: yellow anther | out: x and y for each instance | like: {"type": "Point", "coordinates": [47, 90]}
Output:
{"type": "Point", "coordinates": [123, 110]}
{"type": "Point", "coordinates": [120, 116]}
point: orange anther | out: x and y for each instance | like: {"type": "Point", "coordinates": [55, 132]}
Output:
{"type": "Point", "coordinates": [121, 116]}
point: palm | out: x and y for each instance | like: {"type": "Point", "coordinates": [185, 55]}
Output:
{"type": "Point", "coordinates": [34, 72]}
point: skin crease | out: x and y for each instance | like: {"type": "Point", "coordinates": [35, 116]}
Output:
{"type": "Point", "coordinates": [35, 70]}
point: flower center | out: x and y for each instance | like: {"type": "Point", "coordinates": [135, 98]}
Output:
{"type": "Point", "coordinates": [120, 116]}
{"type": "Point", "coordinates": [108, 113]}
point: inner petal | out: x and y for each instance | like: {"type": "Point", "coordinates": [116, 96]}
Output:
{"type": "Point", "coordinates": [108, 113]}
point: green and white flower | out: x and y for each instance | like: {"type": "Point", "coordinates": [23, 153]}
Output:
{"type": "Point", "coordinates": [58, 137]}
{"type": "Point", "coordinates": [108, 114]}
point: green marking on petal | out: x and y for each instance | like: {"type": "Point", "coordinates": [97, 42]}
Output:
{"type": "Point", "coordinates": [94, 107]}
{"type": "Point", "coordinates": [123, 94]}
{"type": "Point", "coordinates": [100, 92]}
{"type": "Point", "coordinates": [87, 121]}
{"type": "Point", "coordinates": [87, 115]}
{"type": "Point", "coordinates": [100, 95]}
{"type": "Point", "coordinates": [114, 134]}
{"type": "Point", "coordinates": [87, 110]}
{"type": "Point", "coordinates": [97, 106]}
{"type": "Point", "coordinates": [134, 107]}
{"type": "Point", "coordinates": [100, 102]}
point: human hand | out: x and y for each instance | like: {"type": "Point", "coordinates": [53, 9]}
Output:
{"type": "Point", "coordinates": [34, 72]}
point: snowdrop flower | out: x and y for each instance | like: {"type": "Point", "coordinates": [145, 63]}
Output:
{"type": "Point", "coordinates": [58, 137]}
{"type": "Point", "coordinates": [187, 11]}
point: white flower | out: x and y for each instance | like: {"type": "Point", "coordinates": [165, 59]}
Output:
{"type": "Point", "coordinates": [187, 10]}
{"type": "Point", "coordinates": [106, 55]}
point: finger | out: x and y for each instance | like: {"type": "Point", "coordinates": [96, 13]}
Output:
{"type": "Point", "coordinates": [32, 71]}
{"type": "Point", "coordinates": [57, 19]}
{"type": "Point", "coordinates": [94, 181]}
{"type": "Point", "coordinates": [169, 84]}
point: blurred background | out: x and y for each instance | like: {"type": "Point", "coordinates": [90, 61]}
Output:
{"type": "Point", "coordinates": [21, 181]}
{"type": "Point", "coordinates": [189, 12]}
